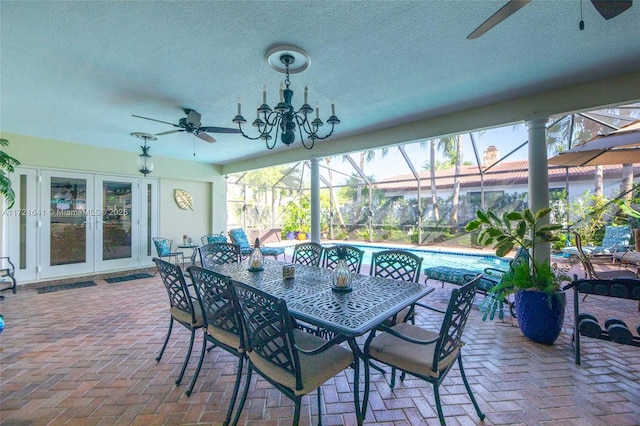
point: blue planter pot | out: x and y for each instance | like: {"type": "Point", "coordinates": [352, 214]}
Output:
{"type": "Point", "coordinates": [291, 235]}
{"type": "Point", "coordinates": [537, 322]}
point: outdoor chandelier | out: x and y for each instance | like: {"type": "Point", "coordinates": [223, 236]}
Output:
{"type": "Point", "coordinates": [145, 162]}
{"type": "Point", "coordinates": [284, 118]}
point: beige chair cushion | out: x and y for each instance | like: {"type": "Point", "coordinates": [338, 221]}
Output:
{"type": "Point", "coordinates": [230, 339]}
{"type": "Point", "coordinates": [185, 317]}
{"type": "Point", "coordinates": [399, 317]}
{"type": "Point", "coordinates": [410, 357]}
{"type": "Point", "coordinates": [315, 369]}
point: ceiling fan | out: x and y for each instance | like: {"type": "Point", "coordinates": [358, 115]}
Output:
{"type": "Point", "coordinates": [191, 124]}
{"type": "Point", "coordinates": [607, 8]}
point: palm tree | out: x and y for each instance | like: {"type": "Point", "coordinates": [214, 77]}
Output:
{"type": "Point", "coordinates": [432, 175]}
{"type": "Point", "coordinates": [451, 146]}
{"type": "Point", "coordinates": [7, 165]}
{"type": "Point", "coordinates": [456, 185]}
{"type": "Point", "coordinates": [332, 196]}
{"type": "Point", "coordinates": [365, 157]}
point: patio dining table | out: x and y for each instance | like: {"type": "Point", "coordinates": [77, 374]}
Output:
{"type": "Point", "coordinates": [310, 298]}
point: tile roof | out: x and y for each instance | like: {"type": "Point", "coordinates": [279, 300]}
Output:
{"type": "Point", "coordinates": [502, 174]}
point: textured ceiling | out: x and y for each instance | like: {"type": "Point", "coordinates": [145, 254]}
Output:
{"type": "Point", "coordinates": [76, 71]}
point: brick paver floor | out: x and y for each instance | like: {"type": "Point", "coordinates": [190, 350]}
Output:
{"type": "Point", "coordinates": [87, 357]}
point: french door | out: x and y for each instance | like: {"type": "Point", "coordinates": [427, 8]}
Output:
{"type": "Point", "coordinates": [84, 223]}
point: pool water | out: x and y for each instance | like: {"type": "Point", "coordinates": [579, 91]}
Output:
{"type": "Point", "coordinates": [431, 258]}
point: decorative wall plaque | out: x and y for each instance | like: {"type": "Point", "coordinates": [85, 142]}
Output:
{"type": "Point", "coordinates": [184, 200]}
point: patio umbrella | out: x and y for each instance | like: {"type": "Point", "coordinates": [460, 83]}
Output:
{"type": "Point", "coordinates": [621, 146]}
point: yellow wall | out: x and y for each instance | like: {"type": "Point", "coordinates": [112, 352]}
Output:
{"type": "Point", "coordinates": [203, 181]}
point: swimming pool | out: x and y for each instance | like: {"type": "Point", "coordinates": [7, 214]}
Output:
{"type": "Point", "coordinates": [431, 258]}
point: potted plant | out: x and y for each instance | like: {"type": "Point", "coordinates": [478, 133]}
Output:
{"type": "Point", "coordinates": [7, 165]}
{"type": "Point", "coordinates": [289, 231]}
{"type": "Point", "coordinates": [535, 284]}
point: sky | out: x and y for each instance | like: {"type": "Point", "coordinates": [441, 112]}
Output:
{"type": "Point", "coordinates": [505, 139]}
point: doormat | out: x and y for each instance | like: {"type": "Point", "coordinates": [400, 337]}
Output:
{"type": "Point", "coordinates": [127, 278]}
{"type": "Point", "coordinates": [52, 288]}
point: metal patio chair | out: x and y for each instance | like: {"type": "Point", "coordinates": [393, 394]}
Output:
{"type": "Point", "coordinates": [7, 275]}
{"type": "Point", "coordinates": [351, 254]}
{"type": "Point", "coordinates": [183, 307]}
{"type": "Point", "coordinates": [397, 265]}
{"type": "Point", "coordinates": [164, 250]}
{"type": "Point", "coordinates": [222, 322]}
{"type": "Point", "coordinates": [219, 253]}
{"type": "Point", "coordinates": [307, 254]}
{"type": "Point", "coordinates": [293, 361]}
{"type": "Point", "coordinates": [428, 355]}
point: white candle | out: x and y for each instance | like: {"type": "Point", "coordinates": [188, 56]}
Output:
{"type": "Point", "coordinates": [257, 112]}
{"type": "Point", "coordinates": [333, 107]}
{"type": "Point", "coordinates": [306, 92]}
{"type": "Point", "coordinates": [264, 94]}
{"type": "Point", "coordinates": [317, 110]}
{"type": "Point", "coordinates": [239, 106]}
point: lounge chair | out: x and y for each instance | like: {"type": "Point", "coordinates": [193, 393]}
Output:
{"type": "Point", "coordinates": [239, 237]}
{"type": "Point", "coordinates": [616, 239]}
{"type": "Point", "coordinates": [213, 238]}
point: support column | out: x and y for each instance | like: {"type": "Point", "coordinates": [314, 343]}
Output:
{"type": "Point", "coordinates": [315, 200]}
{"type": "Point", "coordinates": [539, 176]}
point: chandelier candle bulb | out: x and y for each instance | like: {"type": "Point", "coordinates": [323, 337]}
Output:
{"type": "Point", "coordinates": [317, 111]}
{"type": "Point", "coordinates": [306, 93]}
{"type": "Point", "coordinates": [333, 107]}
{"type": "Point", "coordinates": [239, 107]}
{"type": "Point", "coordinates": [264, 94]}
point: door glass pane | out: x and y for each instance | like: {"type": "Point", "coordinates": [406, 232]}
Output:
{"type": "Point", "coordinates": [116, 220]}
{"type": "Point", "coordinates": [68, 224]}
{"type": "Point", "coordinates": [23, 223]}
{"type": "Point", "coordinates": [149, 223]}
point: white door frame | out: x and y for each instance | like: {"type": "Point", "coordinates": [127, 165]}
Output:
{"type": "Point", "coordinates": [26, 227]}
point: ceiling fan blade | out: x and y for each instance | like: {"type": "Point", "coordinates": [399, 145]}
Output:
{"type": "Point", "coordinates": [507, 10]}
{"type": "Point", "coordinates": [611, 9]}
{"type": "Point", "coordinates": [219, 129]}
{"type": "Point", "coordinates": [169, 132]}
{"type": "Point", "coordinates": [153, 119]}
{"type": "Point", "coordinates": [205, 137]}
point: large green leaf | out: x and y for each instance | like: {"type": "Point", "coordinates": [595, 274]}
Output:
{"type": "Point", "coordinates": [482, 216]}
{"type": "Point", "coordinates": [629, 211]}
{"type": "Point", "coordinates": [494, 218]}
{"type": "Point", "coordinates": [514, 216]}
{"type": "Point", "coordinates": [473, 225]}
{"type": "Point", "coordinates": [550, 227]}
{"type": "Point", "coordinates": [503, 248]}
{"type": "Point", "coordinates": [521, 229]}
{"type": "Point", "coordinates": [528, 216]}
{"type": "Point", "coordinates": [506, 221]}
{"type": "Point", "coordinates": [542, 213]}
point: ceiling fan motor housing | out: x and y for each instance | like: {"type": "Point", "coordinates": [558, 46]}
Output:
{"type": "Point", "coordinates": [193, 118]}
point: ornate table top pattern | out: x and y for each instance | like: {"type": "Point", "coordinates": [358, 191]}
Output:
{"type": "Point", "coordinates": [310, 298]}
